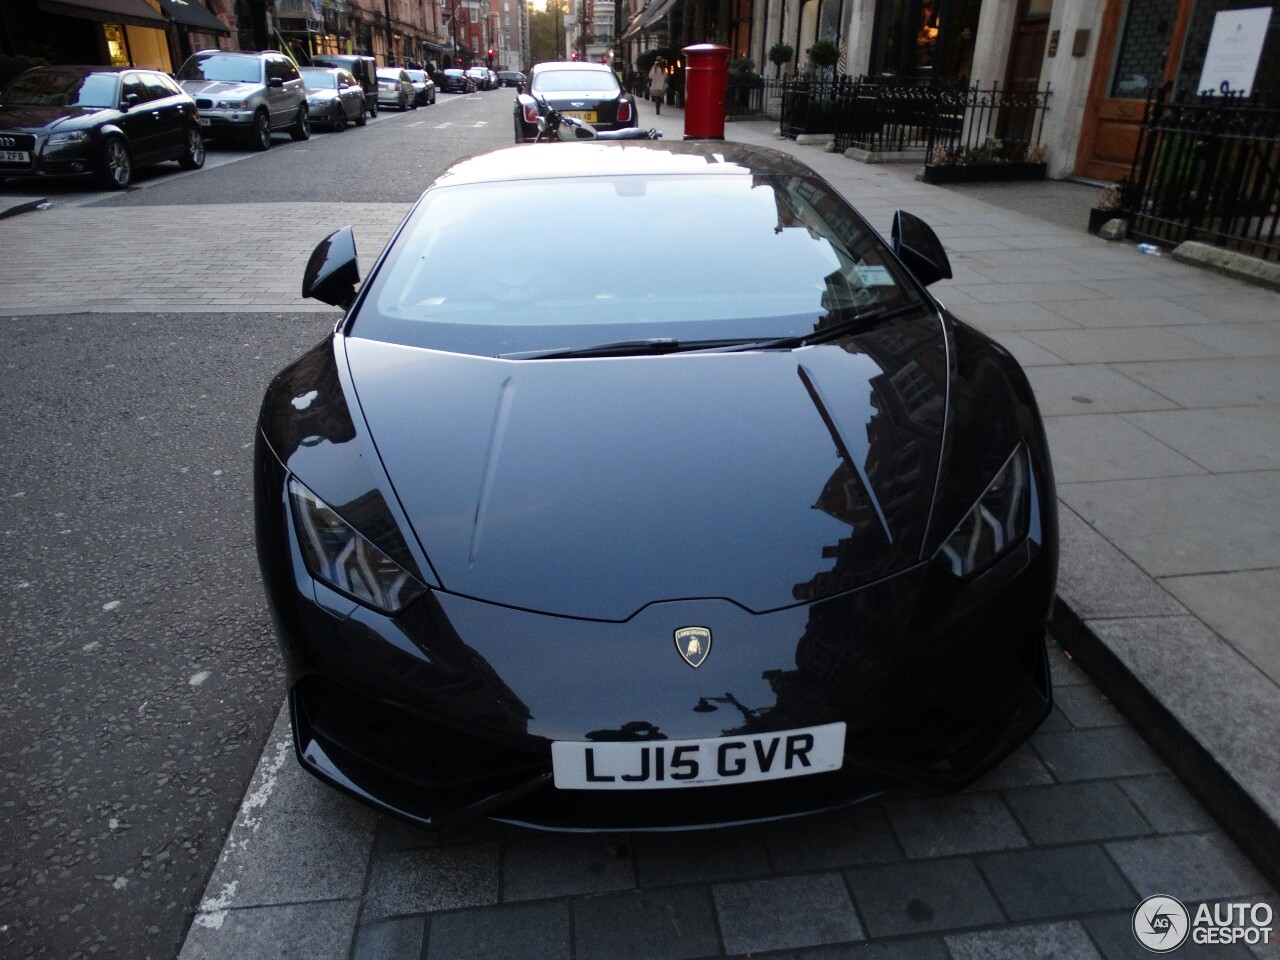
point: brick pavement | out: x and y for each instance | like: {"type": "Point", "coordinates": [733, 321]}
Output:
{"type": "Point", "coordinates": [193, 257]}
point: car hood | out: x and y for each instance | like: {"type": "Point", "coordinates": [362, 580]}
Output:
{"type": "Point", "coordinates": [592, 488]}
{"type": "Point", "coordinates": [220, 88]}
{"type": "Point", "coordinates": [48, 119]}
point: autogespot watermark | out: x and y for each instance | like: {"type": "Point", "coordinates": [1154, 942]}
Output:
{"type": "Point", "coordinates": [1162, 924]}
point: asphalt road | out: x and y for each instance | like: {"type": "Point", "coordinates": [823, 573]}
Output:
{"type": "Point", "coordinates": [393, 157]}
{"type": "Point", "coordinates": [140, 676]}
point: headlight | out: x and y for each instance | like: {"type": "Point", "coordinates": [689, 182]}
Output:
{"type": "Point", "coordinates": [72, 136]}
{"type": "Point", "coordinates": [342, 558]}
{"type": "Point", "coordinates": [997, 521]}
{"type": "Point", "coordinates": [234, 104]}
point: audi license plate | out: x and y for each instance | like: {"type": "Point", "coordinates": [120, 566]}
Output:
{"type": "Point", "coordinates": [663, 764]}
{"type": "Point", "coordinates": [14, 156]}
{"type": "Point", "coordinates": [587, 115]}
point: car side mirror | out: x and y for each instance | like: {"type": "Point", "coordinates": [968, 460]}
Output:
{"type": "Point", "coordinates": [519, 86]}
{"type": "Point", "coordinates": [333, 271]}
{"type": "Point", "coordinates": [919, 248]}
{"type": "Point", "coordinates": [130, 100]}
{"type": "Point", "coordinates": [275, 82]}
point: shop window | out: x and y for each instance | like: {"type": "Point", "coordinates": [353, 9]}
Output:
{"type": "Point", "coordinates": [117, 48]}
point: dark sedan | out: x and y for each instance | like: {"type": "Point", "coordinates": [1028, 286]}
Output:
{"type": "Point", "coordinates": [424, 87]}
{"type": "Point", "coordinates": [456, 81]}
{"type": "Point", "coordinates": [334, 97]}
{"type": "Point", "coordinates": [510, 78]}
{"type": "Point", "coordinates": [588, 91]}
{"type": "Point", "coordinates": [72, 121]}
{"type": "Point", "coordinates": [755, 530]}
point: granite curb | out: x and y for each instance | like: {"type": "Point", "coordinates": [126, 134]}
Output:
{"type": "Point", "coordinates": [12, 206]}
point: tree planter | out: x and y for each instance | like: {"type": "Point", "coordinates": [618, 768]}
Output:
{"type": "Point", "coordinates": [984, 172]}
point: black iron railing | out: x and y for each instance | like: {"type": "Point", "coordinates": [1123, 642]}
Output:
{"type": "Point", "coordinates": [944, 122]}
{"type": "Point", "coordinates": [1208, 168]}
{"type": "Point", "coordinates": [987, 125]}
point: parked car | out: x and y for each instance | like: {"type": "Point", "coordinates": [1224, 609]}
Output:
{"type": "Point", "coordinates": [456, 81]}
{"type": "Point", "coordinates": [81, 121]}
{"type": "Point", "coordinates": [511, 78]}
{"type": "Point", "coordinates": [424, 87]}
{"type": "Point", "coordinates": [588, 91]}
{"type": "Point", "coordinates": [334, 97]}
{"type": "Point", "coordinates": [247, 95]}
{"type": "Point", "coordinates": [764, 531]}
{"type": "Point", "coordinates": [395, 89]}
{"type": "Point", "coordinates": [494, 82]}
{"type": "Point", "coordinates": [479, 76]}
{"type": "Point", "coordinates": [364, 69]}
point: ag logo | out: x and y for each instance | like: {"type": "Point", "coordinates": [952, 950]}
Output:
{"type": "Point", "coordinates": [1161, 924]}
{"type": "Point", "coordinates": [693, 643]}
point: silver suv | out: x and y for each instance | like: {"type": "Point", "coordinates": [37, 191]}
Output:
{"type": "Point", "coordinates": [247, 95]}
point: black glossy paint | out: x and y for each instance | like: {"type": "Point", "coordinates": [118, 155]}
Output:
{"type": "Point", "coordinates": [333, 271]}
{"type": "Point", "coordinates": [570, 515]}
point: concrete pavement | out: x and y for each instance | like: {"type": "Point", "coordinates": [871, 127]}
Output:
{"type": "Point", "coordinates": [1159, 385]}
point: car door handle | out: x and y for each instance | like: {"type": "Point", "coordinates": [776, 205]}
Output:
{"type": "Point", "coordinates": [156, 114]}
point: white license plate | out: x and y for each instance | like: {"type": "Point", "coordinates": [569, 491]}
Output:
{"type": "Point", "coordinates": [14, 156]}
{"type": "Point", "coordinates": [204, 121]}
{"type": "Point", "coordinates": [588, 115]}
{"type": "Point", "coordinates": [666, 764]}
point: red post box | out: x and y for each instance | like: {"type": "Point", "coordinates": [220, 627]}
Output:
{"type": "Point", "coordinates": [706, 77]}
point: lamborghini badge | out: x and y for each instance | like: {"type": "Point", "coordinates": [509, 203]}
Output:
{"type": "Point", "coordinates": [693, 643]}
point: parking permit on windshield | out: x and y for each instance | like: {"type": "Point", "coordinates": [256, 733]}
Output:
{"type": "Point", "coordinates": [874, 276]}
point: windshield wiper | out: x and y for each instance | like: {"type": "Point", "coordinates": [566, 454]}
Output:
{"type": "Point", "coordinates": [623, 348]}
{"type": "Point", "coordinates": [833, 332]}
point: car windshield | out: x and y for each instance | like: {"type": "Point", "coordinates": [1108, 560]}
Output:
{"type": "Point", "coordinates": [417, 76]}
{"type": "Point", "coordinates": [771, 257]}
{"type": "Point", "coordinates": [570, 81]}
{"type": "Point", "coordinates": [222, 69]}
{"type": "Point", "coordinates": [453, 73]}
{"type": "Point", "coordinates": [63, 88]}
{"type": "Point", "coordinates": [319, 79]}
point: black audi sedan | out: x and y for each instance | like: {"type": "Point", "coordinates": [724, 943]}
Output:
{"type": "Point", "coordinates": [456, 81]}
{"type": "Point", "coordinates": [72, 121]}
{"type": "Point", "coordinates": [756, 530]}
{"type": "Point", "coordinates": [588, 91]}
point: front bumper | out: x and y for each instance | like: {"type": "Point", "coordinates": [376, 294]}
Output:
{"type": "Point", "coordinates": [226, 123]}
{"type": "Point", "coordinates": [55, 161]}
{"type": "Point", "coordinates": [446, 712]}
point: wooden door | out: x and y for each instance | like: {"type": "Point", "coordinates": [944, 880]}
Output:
{"type": "Point", "coordinates": [1138, 52]}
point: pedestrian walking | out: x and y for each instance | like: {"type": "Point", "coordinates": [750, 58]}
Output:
{"type": "Point", "coordinates": [657, 84]}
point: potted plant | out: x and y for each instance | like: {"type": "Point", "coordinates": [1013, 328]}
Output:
{"type": "Point", "coordinates": [993, 159]}
{"type": "Point", "coordinates": [780, 54]}
{"type": "Point", "coordinates": [743, 79]}
{"type": "Point", "coordinates": [1112, 203]}
{"type": "Point", "coordinates": [824, 54]}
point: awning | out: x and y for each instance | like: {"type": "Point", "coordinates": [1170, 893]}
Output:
{"type": "Point", "coordinates": [193, 15]}
{"type": "Point", "coordinates": [136, 13]}
{"type": "Point", "coordinates": [655, 11]}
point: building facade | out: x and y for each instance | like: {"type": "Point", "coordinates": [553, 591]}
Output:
{"type": "Point", "coordinates": [162, 33]}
